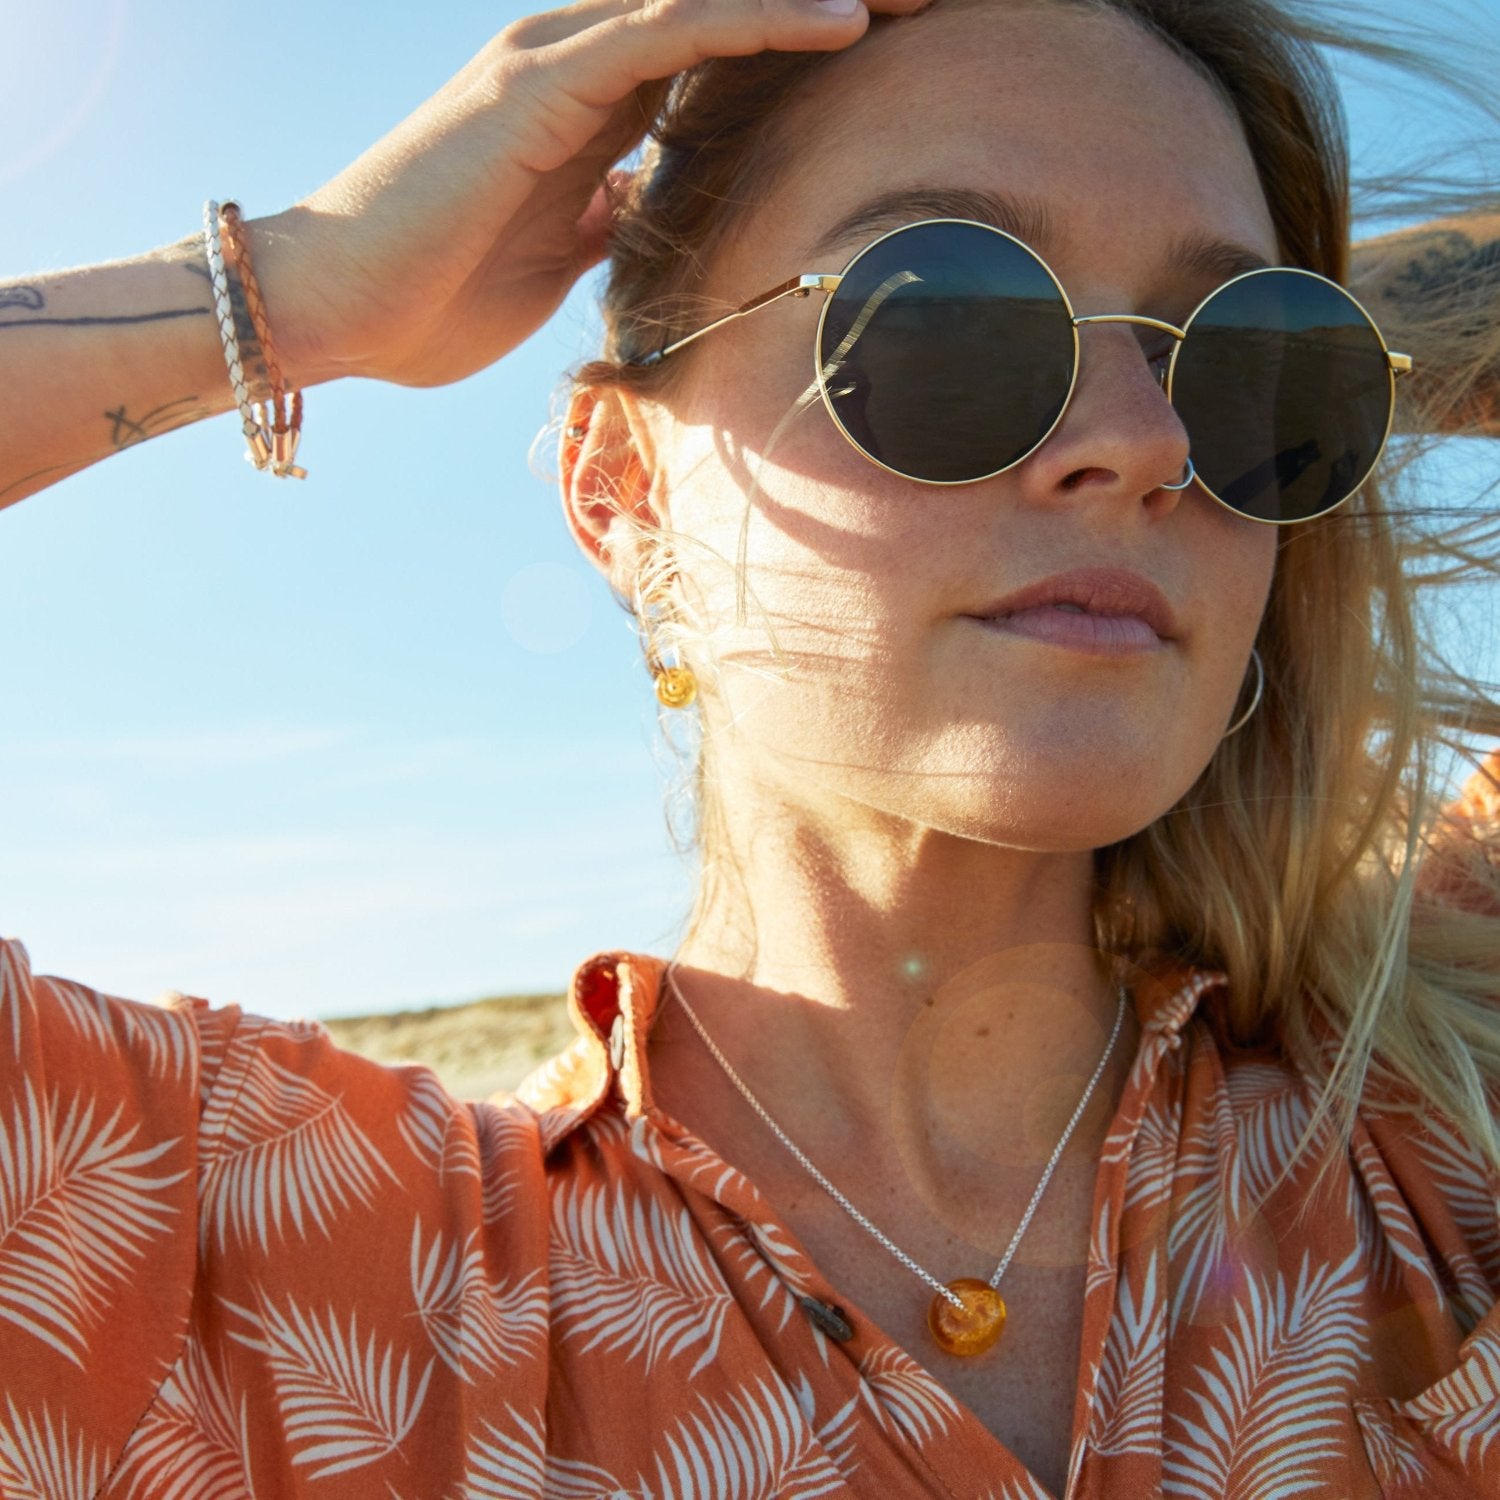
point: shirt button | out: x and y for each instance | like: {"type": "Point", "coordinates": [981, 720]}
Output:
{"type": "Point", "coordinates": [829, 1318]}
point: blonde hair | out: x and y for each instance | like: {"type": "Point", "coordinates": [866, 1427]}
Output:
{"type": "Point", "coordinates": [1292, 863]}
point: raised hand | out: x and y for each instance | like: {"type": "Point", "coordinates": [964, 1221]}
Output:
{"type": "Point", "coordinates": [457, 235]}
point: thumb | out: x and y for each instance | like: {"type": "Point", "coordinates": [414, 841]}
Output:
{"type": "Point", "coordinates": [597, 222]}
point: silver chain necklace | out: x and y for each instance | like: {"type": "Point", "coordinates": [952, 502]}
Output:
{"type": "Point", "coordinates": [966, 1316]}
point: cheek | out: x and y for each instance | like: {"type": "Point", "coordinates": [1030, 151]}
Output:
{"type": "Point", "coordinates": [1238, 562]}
{"type": "Point", "coordinates": [823, 535]}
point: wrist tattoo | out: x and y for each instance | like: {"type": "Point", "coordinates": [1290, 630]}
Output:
{"type": "Point", "coordinates": [126, 431]}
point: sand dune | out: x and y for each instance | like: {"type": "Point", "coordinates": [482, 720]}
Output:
{"type": "Point", "coordinates": [476, 1048]}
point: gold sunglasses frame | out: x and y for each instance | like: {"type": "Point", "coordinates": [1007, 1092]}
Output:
{"type": "Point", "coordinates": [829, 282]}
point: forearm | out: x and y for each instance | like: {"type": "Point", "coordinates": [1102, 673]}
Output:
{"type": "Point", "coordinates": [100, 358]}
{"type": "Point", "coordinates": [1435, 292]}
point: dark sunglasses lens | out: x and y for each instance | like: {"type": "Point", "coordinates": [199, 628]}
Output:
{"type": "Point", "coordinates": [1285, 390]}
{"type": "Point", "coordinates": [947, 352]}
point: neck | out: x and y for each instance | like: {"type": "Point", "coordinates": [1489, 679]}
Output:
{"type": "Point", "coordinates": [926, 1004]}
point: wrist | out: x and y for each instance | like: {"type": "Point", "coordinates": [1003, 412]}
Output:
{"type": "Point", "coordinates": [286, 259]}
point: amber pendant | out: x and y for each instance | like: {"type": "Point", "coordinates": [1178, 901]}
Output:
{"type": "Point", "coordinates": [977, 1327]}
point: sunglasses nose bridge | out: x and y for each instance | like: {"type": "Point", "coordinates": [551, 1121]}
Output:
{"type": "Point", "coordinates": [1140, 321]}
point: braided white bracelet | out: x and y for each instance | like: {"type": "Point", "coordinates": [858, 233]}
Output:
{"type": "Point", "coordinates": [256, 440]}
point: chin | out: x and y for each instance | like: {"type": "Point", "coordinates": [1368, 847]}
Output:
{"type": "Point", "coordinates": [1061, 804]}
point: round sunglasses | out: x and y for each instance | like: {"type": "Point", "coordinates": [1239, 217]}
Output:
{"type": "Point", "coordinates": [947, 352]}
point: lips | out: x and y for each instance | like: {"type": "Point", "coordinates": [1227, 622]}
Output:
{"type": "Point", "coordinates": [1096, 591]}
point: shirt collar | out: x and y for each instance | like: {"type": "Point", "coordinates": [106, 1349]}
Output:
{"type": "Point", "coordinates": [614, 997]}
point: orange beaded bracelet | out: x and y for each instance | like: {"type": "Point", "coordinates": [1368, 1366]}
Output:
{"type": "Point", "coordinates": [285, 431]}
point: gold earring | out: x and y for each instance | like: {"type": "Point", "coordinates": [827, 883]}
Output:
{"type": "Point", "coordinates": [676, 687]}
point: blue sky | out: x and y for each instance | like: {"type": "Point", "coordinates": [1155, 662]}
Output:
{"type": "Point", "coordinates": [377, 739]}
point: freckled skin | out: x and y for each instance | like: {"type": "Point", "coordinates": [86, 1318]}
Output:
{"type": "Point", "coordinates": [865, 574]}
{"type": "Point", "coordinates": [913, 799]}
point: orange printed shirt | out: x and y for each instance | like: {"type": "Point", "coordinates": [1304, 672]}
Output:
{"type": "Point", "coordinates": [237, 1261]}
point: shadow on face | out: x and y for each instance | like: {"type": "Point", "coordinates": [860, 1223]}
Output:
{"type": "Point", "coordinates": [861, 680]}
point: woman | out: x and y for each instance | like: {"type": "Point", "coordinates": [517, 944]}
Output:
{"type": "Point", "coordinates": [1055, 910]}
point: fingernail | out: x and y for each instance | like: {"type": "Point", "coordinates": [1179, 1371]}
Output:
{"type": "Point", "coordinates": [839, 7]}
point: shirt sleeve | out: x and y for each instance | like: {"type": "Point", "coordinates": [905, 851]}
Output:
{"type": "Point", "coordinates": [230, 1249]}
{"type": "Point", "coordinates": [99, 1101]}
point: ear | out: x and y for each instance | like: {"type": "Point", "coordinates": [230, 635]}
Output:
{"type": "Point", "coordinates": [607, 468]}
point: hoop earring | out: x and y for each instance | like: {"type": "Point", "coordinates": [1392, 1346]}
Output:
{"type": "Point", "coordinates": [1187, 478]}
{"type": "Point", "coordinates": [676, 687]}
{"type": "Point", "coordinates": [1260, 687]}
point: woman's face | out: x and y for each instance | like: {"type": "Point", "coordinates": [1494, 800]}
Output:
{"type": "Point", "coordinates": [890, 693]}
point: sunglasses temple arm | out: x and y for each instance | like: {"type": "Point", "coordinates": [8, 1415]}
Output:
{"type": "Point", "coordinates": [798, 286]}
{"type": "Point", "coordinates": [1401, 364]}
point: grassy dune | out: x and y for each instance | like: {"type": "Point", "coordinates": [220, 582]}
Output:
{"type": "Point", "coordinates": [475, 1048]}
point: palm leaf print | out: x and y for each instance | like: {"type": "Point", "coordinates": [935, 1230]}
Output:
{"type": "Point", "coordinates": [296, 1029]}
{"type": "Point", "coordinates": [630, 1275]}
{"type": "Point", "coordinates": [343, 1402]}
{"type": "Point", "coordinates": [1230, 1157]}
{"type": "Point", "coordinates": [476, 1327]}
{"type": "Point", "coordinates": [1474, 1199]}
{"type": "Point", "coordinates": [194, 1443]}
{"type": "Point", "coordinates": [574, 1479]}
{"type": "Point", "coordinates": [78, 1212]}
{"type": "Point", "coordinates": [1153, 1156]}
{"type": "Point", "coordinates": [553, 1089]}
{"type": "Point", "coordinates": [17, 1004]}
{"type": "Point", "coordinates": [1392, 1458]}
{"type": "Point", "coordinates": [437, 1128]}
{"type": "Point", "coordinates": [755, 1446]}
{"type": "Point", "coordinates": [904, 1396]}
{"type": "Point", "coordinates": [162, 1037]}
{"type": "Point", "coordinates": [690, 1158]}
{"type": "Point", "coordinates": [507, 1134]}
{"type": "Point", "coordinates": [763, 1262]}
{"type": "Point", "coordinates": [512, 1467]}
{"type": "Point", "coordinates": [289, 1151]}
{"type": "Point", "coordinates": [1383, 1223]}
{"type": "Point", "coordinates": [39, 1461]}
{"type": "Point", "coordinates": [1273, 1401]}
{"type": "Point", "coordinates": [1463, 1409]}
{"type": "Point", "coordinates": [1127, 1407]}
{"type": "Point", "coordinates": [517, 1466]}
{"type": "Point", "coordinates": [1103, 1260]}
{"type": "Point", "coordinates": [1024, 1488]}
{"type": "Point", "coordinates": [838, 1436]}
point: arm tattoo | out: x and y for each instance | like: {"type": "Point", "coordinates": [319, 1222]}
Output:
{"type": "Point", "coordinates": [34, 300]}
{"type": "Point", "coordinates": [126, 431]}
{"type": "Point", "coordinates": [91, 322]}
{"type": "Point", "coordinates": [1445, 267]}
{"type": "Point", "coordinates": [35, 474]}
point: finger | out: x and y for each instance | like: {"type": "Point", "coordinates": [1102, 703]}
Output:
{"type": "Point", "coordinates": [661, 38]}
{"type": "Point", "coordinates": [551, 26]}
{"type": "Point", "coordinates": [547, 27]}
{"type": "Point", "coordinates": [597, 222]}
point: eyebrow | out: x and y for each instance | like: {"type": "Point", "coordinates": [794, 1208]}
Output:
{"type": "Point", "coordinates": [1192, 255]}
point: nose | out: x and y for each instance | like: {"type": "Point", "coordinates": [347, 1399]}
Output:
{"type": "Point", "coordinates": [1120, 437]}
